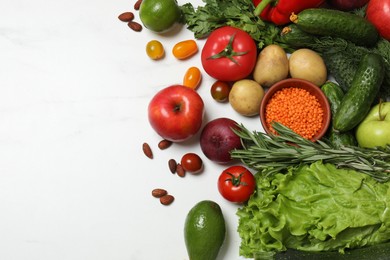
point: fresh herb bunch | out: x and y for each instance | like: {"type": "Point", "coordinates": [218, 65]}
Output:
{"type": "Point", "coordinates": [202, 20]}
{"type": "Point", "coordinates": [275, 153]}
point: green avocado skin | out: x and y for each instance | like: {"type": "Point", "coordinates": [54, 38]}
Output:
{"type": "Point", "coordinates": [204, 231]}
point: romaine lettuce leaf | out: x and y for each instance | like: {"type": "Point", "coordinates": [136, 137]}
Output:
{"type": "Point", "coordinates": [314, 207]}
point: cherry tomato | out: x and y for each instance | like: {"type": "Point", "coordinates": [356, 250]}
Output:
{"type": "Point", "coordinates": [155, 50]}
{"type": "Point", "coordinates": [192, 78]}
{"type": "Point", "coordinates": [220, 91]}
{"type": "Point", "coordinates": [236, 184]}
{"type": "Point", "coordinates": [192, 163]}
{"type": "Point", "coordinates": [184, 49]}
{"type": "Point", "coordinates": [229, 54]}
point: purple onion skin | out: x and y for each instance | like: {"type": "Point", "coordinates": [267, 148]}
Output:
{"type": "Point", "coordinates": [217, 140]}
{"type": "Point", "coordinates": [347, 5]}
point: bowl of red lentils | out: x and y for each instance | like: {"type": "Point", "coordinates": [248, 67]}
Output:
{"type": "Point", "coordinates": [297, 104]}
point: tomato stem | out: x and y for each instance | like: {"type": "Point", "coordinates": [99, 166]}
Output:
{"type": "Point", "coordinates": [236, 181]}
{"type": "Point", "coordinates": [228, 52]}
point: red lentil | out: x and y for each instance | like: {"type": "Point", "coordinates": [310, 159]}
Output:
{"type": "Point", "coordinates": [297, 109]}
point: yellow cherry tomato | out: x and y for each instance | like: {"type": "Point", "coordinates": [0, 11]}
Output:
{"type": "Point", "coordinates": [155, 50]}
{"type": "Point", "coordinates": [192, 78]}
{"type": "Point", "coordinates": [184, 49]}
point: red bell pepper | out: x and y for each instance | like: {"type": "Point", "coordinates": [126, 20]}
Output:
{"type": "Point", "coordinates": [279, 11]}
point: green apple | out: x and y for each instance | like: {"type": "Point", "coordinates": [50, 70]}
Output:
{"type": "Point", "coordinates": [374, 130]}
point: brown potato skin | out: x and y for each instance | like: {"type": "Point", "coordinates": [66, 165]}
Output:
{"type": "Point", "coordinates": [271, 66]}
{"type": "Point", "coordinates": [309, 65]}
{"type": "Point", "coordinates": [245, 97]}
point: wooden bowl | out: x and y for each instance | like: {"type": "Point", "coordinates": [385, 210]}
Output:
{"type": "Point", "coordinates": [303, 84]}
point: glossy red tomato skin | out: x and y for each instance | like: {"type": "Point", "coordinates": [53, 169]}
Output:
{"type": "Point", "coordinates": [192, 163]}
{"type": "Point", "coordinates": [223, 68]}
{"type": "Point", "coordinates": [240, 192]}
{"type": "Point", "coordinates": [378, 13]}
{"type": "Point", "coordinates": [220, 91]}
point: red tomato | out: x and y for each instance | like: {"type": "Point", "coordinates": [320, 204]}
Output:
{"type": "Point", "coordinates": [220, 91]}
{"type": "Point", "coordinates": [378, 13]}
{"type": "Point", "coordinates": [192, 163]}
{"type": "Point", "coordinates": [236, 184]}
{"type": "Point", "coordinates": [229, 54]}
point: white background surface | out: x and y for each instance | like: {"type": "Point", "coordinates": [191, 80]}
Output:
{"type": "Point", "coordinates": [75, 83]}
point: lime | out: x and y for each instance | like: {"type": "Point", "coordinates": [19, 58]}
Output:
{"type": "Point", "coordinates": [159, 15]}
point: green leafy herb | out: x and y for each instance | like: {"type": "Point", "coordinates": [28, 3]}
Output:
{"type": "Point", "coordinates": [202, 20]}
{"type": "Point", "coordinates": [274, 153]}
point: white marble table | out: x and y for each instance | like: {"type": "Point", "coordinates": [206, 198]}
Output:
{"type": "Point", "coordinates": [75, 83]}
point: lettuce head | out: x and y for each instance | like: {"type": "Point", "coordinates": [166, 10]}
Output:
{"type": "Point", "coordinates": [314, 207]}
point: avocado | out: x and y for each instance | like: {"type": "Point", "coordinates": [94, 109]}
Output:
{"type": "Point", "coordinates": [204, 231]}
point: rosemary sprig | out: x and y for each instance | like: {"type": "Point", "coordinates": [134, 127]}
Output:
{"type": "Point", "coordinates": [270, 153]}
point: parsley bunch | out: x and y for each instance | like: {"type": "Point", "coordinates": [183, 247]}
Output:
{"type": "Point", "coordinates": [237, 13]}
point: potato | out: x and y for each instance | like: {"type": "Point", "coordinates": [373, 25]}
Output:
{"type": "Point", "coordinates": [271, 66]}
{"type": "Point", "coordinates": [245, 97]}
{"type": "Point", "coordinates": [309, 65]}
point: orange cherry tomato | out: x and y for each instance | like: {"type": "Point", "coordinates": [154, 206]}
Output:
{"type": "Point", "coordinates": [184, 49]}
{"type": "Point", "coordinates": [155, 50]}
{"type": "Point", "coordinates": [192, 78]}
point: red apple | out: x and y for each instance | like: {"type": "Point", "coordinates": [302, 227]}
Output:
{"type": "Point", "coordinates": [378, 13]}
{"type": "Point", "coordinates": [347, 5]}
{"type": "Point", "coordinates": [176, 113]}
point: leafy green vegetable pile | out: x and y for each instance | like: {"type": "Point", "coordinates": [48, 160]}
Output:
{"type": "Point", "coordinates": [316, 207]}
{"type": "Point", "coordinates": [202, 20]}
{"type": "Point", "coordinates": [310, 196]}
{"type": "Point", "coordinates": [341, 56]}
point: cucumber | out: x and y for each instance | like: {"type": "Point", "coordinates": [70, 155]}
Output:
{"type": "Point", "coordinates": [295, 37]}
{"type": "Point", "coordinates": [374, 252]}
{"type": "Point", "coordinates": [342, 139]}
{"type": "Point", "coordinates": [335, 94]}
{"type": "Point", "coordinates": [335, 23]}
{"type": "Point", "coordinates": [357, 102]}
